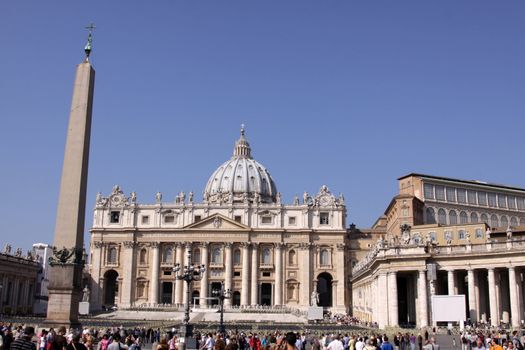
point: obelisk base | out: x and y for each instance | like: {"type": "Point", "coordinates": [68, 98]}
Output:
{"type": "Point", "coordinates": [64, 295]}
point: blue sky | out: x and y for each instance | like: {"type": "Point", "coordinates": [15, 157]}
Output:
{"type": "Point", "coordinates": [351, 94]}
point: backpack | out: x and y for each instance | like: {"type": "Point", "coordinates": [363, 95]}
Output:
{"type": "Point", "coordinates": [464, 340]}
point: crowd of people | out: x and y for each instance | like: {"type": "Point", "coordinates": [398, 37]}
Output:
{"type": "Point", "coordinates": [119, 338]}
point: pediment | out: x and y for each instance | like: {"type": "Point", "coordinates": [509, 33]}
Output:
{"type": "Point", "coordinates": [217, 222]}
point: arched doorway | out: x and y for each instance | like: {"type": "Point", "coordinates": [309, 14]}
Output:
{"type": "Point", "coordinates": [167, 292]}
{"type": "Point", "coordinates": [215, 288]}
{"type": "Point", "coordinates": [266, 294]}
{"type": "Point", "coordinates": [324, 288]}
{"type": "Point", "coordinates": [110, 288]}
{"type": "Point", "coordinates": [236, 299]}
{"type": "Point", "coordinates": [195, 297]}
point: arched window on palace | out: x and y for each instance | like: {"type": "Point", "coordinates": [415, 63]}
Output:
{"type": "Point", "coordinates": [112, 255]}
{"type": "Point", "coordinates": [463, 218]}
{"type": "Point", "coordinates": [266, 256]}
{"type": "Point", "coordinates": [216, 255]}
{"type": "Point", "coordinates": [494, 222]}
{"type": "Point", "coordinates": [484, 218]}
{"type": "Point", "coordinates": [504, 221]}
{"type": "Point", "coordinates": [474, 218]}
{"type": "Point", "coordinates": [291, 257]}
{"type": "Point", "coordinates": [513, 221]}
{"type": "Point", "coordinates": [324, 257]}
{"type": "Point", "coordinates": [237, 257]}
{"type": "Point", "coordinates": [167, 255]}
{"type": "Point", "coordinates": [142, 256]}
{"type": "Point", "coordinates": [442, 216]}
{"type": "Point", "coordinates": [452, 217]}
{"type": "Point", "coordinates": [431, 216]}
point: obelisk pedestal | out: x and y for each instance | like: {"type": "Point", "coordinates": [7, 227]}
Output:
{"type": "Point", "coordinates": [67, 262]}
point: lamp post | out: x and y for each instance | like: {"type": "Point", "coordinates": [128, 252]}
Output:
{"type": "Point", "coordinates": [222, 294]}
{"type": "Point", "coordinates": [188, 273]}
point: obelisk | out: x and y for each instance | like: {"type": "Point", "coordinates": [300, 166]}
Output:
{"type": "Point", "coordinates": [67, 262]}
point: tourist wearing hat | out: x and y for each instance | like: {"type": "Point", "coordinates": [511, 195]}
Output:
{"type": "Point", "coordinates": [24, 341]}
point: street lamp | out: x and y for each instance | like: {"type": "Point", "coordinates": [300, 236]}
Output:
{"type": "Point", "coordinates": [222, 294]}
{"type": "Point", "coordinates": [188, 273]}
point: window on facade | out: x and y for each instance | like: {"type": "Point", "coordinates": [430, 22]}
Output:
{"type": "Point", "coordinates": [167, 255]}
{"type": "Point", "coordinates": [166, 273]}
{"type": "Point", "coordinates": [484, 218]}
{"type": "Point", "coordinates": [196, 256]}
{"type": "Point", "coordinates": [461, 234]}
{"type": "Point", "coordinates": [522, 221]}
{"type": "Point", "coordinates": [323, 219]}
{"type": "Point", "coordinates": [237, 257]}
{"type": "Point", "coordinates": [440, 193]}
{"type": "Point", "coordinates": [404, 212]}
{"type": "Point", "coordinates": [463, 218]}
{"type": "Point", "coordinates": [471, 197]}
{"type": "Point", "coordinates": [430, 216]}
{"type": "Point", "coordinates": [502, 201]}
{"type": "Point", "coordinates": [482, 198]}
{"type": "Point", "coordinates": [114, 217]}
{"type": "Point", "coordinates": [479, 233]}
{"type": "Point", "coordinates": [145, 219]}
{"type": "Point", "coordinates": [492, 200]}
{"type": "Point", "coordinates": [197, 218]}
{"type": "Point", "coordinates": [474, 218]}
{"type": "Point", "coordinates": [141, 289]}
{"type": "Point", "coordinates": [451, 194]}
{"type": "Point", "coordinates": [142, 256]}
{"type": "Point", "coordinates": [291, 220]}
{"type": "Point", "coordinates": [291, 257]}
{"type": "Point", "coordinates": [462, 195]}
{"type": "Point", "coordinates": [453, 217]}
{"type": "Point", "coordinates": [238, 218]}
{"type": "Point", "coordinates": [267, 274]}
{"type": "Point", "coordinates": [325, 257]}
{"type": "Point", "coordinates": [266, 219]}
{"type": "Point", "coordinates": [513, 221]}
{"type": "Point", "coordinates": [511, 200]}
{"type": "Point", "coordinates": [112, 255]}
{"type": "Point", "coordinates": [504, 221]}
{"type": "Point", "coordinates": [266, 256]}
{"type": "Point", "coordinates": [169, 219]}
{"type": "Point", "coordinates": [216, 255]}
{"type": "Point", "coordinates": [521, 203]}
{"type": "Point", "coordinates": [494, 222]}
{"type": "Point", "coordinates": [442, 216]}
{"type": "Point", "coordinates": [237, 274]}
{"type": "Point", "coordinates": [429, 191]}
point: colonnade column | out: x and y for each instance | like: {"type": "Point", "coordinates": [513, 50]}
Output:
{"type": "Point", "coordinates": [204, 280]}
{"type": "Point", "coordinates": [245, 292]}
{"type": "Point", "coordinates": [423, 299]}
{"type": "Point", "coordinates": [392, 299]}
{"type": "Point", "coordinates": [128, 266]}
{"type": "Point", "coordinates": [305, 274]}
{"type": "Point", "coordinates": [278, 292]}
{"type": "Point", "coordinates": [154, 286]}
{"type": "Point", "coordinates": [382, 304]}
{"type": "Point", "coordinates": [514, 301]}
{"type": "Point", "coordinates": [471, 295]}
{"type": "Point", "coordinates": [451, 282]}
{"type": "Point", "coordinates": [179, 259]}
{"type": "Point", "coordinates": [493, 306]}
{"type": "Point", "coordinates": [255, 275]}
{"type": "Point", "coordinates": [228, 271]}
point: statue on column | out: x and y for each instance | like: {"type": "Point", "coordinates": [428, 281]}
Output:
{"type": "Point", "coordinates": [86, 294]}
{"type": "Point", "coordinates": [158, 197]}
{"type": "Point", "coordinates": [314, 299]}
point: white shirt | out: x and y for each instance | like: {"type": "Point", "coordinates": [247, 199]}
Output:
{"type": "Point", "coordinates": [359, 345]}
{"type": "Point", "coordinates": [335, 345]}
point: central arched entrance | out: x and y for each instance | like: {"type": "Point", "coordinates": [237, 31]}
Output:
{"type": "Point", "coordinates": [110, 288]}
{"type": "Point", "coordinates": [324, 288]}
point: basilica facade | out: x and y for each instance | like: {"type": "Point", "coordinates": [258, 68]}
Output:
{"type": "Point", "coordinates": [265, 251]}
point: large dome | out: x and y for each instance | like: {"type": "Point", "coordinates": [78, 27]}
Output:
{"type": "Point", "coordinates": [240, 179]}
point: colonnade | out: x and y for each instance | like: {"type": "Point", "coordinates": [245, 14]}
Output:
{"type": "Point", "coordinates": [17, 293]}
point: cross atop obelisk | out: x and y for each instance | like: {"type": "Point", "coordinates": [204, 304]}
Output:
{"type": "Point", "coordinates": [89, 45]}
{"type": "Point", "coordinates": [67, 262]}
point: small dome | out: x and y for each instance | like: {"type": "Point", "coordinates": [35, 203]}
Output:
{"type": "Point", "coordinates": [240, 179]}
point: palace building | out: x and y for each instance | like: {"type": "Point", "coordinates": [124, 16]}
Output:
{"type": "Point", "coordinates": [265, 251]}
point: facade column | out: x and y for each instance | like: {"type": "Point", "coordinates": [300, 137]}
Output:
{"type": "Point", "coordinates": [128, 266]}
{"type": "Point", "coordinates": [305, 274]}
{"type": "Point", "coordinates": [95, 288]}
{"type": "Point", "coordinates": [423, 299]}
{"type": "Point", "coordinates": [471, 295]}
{"type": "Point", "coordinates": [382, 315]}
{"type": "Point", "coordinates": [255, 275]}
{"type": "Point", "coordinates": [245, 291]}
{"type": "Point", "coordinates": [204, 280]}
{"type": "Point", "coordinates": [493, 306]}
{"type": "Point", "coordinates": [278, 290]}
{"type": "Point", "coordinates": [179, 259]}
{"type": "Point", "coordinates": [228, 271]}
{"type": "Point", "coordinates": [154, 287]}
{"type": "Point", "coordinates": [392, 299]}
{"type": "Point", "coordinates": [341, 280]}
{"type": "Point", "coordinates": [451, 282]}
{"type": "Point", "coordinates": [514, 301]}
